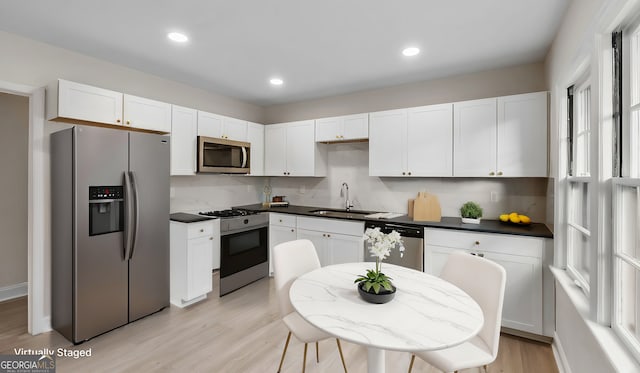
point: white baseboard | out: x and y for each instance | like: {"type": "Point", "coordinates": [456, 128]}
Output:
{"type": "Point", "coordinates": [558, 353]}
{"type": "Point", "coordinates": [13, 291]}
{"type": "Point", "coordinates": [46, 324]}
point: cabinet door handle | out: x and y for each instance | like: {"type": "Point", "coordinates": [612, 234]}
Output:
{"type": "Point", "coordinates": [292, 230]}
{"type": "Point", "coordinates": [201, 230]}
{"type": "Point", "coordinates": [280, 220]}
{"type": "Point", "coordinates": [404, 173]}
{"type": "Point", "coordinates": [128, 122]}
{"type": "Point", "coordinates": [491, 173]}
{"type": "Point", "coordinates": [477, 243]}
{"type": "Point", "coordinates": [499, 173]}
{"type": "Point", "coordinates": [117, 120]}
{"type": "Point", "coordinates": [328, 235]}
{"type": "Point", "coordinates": [210, 238]}
{"type": "Point", "coordinates": [409, 173]}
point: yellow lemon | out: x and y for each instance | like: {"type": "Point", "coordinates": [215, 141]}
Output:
{"type": "Point", "coordinates": [514, 218]}
{"type": "Point", "coordinates": [524, 219]}
{"type": "Point", "coordinates": [513, 215]}
{"type": "Point", "coordinates": [504, 217]}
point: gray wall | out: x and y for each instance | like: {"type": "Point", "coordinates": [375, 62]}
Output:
{"type": "Point", "coordinates": [499, 82]}
{"type": "Point", "coordinates": [14, 126]}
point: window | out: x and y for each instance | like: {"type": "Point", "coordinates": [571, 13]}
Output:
{"type": "Point", "coordinates": [626, 201]}
{"type": "Point", "coordinates": [578, 196]}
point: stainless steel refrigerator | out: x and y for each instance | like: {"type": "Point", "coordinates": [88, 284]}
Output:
{"type": "Point", "coordinates": [110, 228]}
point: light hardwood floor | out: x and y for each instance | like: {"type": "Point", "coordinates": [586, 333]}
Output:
{"type": "Point", "coordinates": [240, 332]}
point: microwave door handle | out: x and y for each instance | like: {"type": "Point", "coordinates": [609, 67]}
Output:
{"type": "Point", "coordinates": [128, 216]}
{"type": "Point", "coordinates": [244, 157]}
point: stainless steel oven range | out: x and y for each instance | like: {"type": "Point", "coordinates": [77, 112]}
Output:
{"type": "Point", "coordinates": [244, 245]}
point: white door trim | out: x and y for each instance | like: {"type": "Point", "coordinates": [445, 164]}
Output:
{"type": "Point", "coordinates": [39, 318]}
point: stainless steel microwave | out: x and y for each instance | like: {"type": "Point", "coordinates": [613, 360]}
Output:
{"type": "Point", "coordinates": [223, 156]}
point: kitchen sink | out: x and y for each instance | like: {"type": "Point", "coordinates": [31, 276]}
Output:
{"type": "Point", "coordinates": [356, 214]}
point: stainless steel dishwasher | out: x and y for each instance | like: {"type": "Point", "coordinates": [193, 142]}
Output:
{"type": "Point", "coordinates": [413, 239]}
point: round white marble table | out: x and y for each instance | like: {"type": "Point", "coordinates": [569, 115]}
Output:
{"type": "Point", "coordinates": [427, 312]}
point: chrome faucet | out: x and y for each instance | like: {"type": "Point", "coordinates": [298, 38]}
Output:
{"type": "Point", "coordinates": [347, 203]}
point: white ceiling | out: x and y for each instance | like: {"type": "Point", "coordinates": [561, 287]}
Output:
{"type": "Point", "coordinates": [320, 48]}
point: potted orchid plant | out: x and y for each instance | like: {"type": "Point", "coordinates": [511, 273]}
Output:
{"type": "Point", "coordinates": [375, 286]}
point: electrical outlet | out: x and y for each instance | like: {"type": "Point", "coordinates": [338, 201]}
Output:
{"type": "Point", "coordinates": [494, 196]}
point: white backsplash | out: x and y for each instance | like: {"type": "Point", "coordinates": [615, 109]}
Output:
{"type": "Point", "coordinates": [214, 192]}
{"type": "Point", "coordinates": [350, 163]}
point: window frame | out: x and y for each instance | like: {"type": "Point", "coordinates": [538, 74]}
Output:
{"type": "Point", "coordinates": [586, 180]}
{"type": "Point", "coordinates": [630, 178]}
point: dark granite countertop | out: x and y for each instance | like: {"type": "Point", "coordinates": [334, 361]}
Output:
{"type": "Point", "coordinates": [485, 226]}
{"type": "Point", "coordinates": [183, 217]}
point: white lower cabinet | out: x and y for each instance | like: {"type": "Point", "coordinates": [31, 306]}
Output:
{"type": "Point", "coordinates": [282, 228]}
{"type": "Point", "coordinates": [191, 254]}
{"type": "Point", "coordinates": [336, 241]}
{"type": "Point", "coordinates": [522, 258]}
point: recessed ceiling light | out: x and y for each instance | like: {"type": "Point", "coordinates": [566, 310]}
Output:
{"type": "Point", "coordinates": [411, 51]}
{"type": "Point", "coordinates": [177, 37]}
{"type": "Point", "coordinates": [276, 81]}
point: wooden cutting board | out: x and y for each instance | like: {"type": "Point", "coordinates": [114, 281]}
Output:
{"type": "Point", "coordinates": [426, 208]}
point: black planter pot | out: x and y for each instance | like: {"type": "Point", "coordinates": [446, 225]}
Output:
{"type": "Point", "coordinates": [383, 296]}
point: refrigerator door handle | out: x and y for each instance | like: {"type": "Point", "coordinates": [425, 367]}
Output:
{"type": "Point", "coordinates": [136, 213]}
{"type": "Point", "coordinates": [128, 212]}
{"type": "Point", "coordinates": [244, 157]}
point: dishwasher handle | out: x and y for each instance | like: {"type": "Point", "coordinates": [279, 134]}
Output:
{"type": "Point", "coordinates": [403, 230]}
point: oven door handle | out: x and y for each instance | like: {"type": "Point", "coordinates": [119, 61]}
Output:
{"type": "Point", "coordinates": [244, 229]}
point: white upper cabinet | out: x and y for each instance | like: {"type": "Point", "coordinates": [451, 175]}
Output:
{"type": "Point", "coordinates": [143, 113]}
{"type": "Point", "coordinates": [430, 140]}
{"type": "Point", "coordinates": [209, 124]}
{"type": "Point", "coordinates": [255, 136]}
{"type": "Point", "coordinates": [85, 103]}
{"type": "Point", "coordinates": [504, 136]}
{"type": "Point", "coordinates": [234, 129]}
{"type": "Point", "coordinates": [474, 138]}
{"type": "Point", "coordinates": [522, 135]}
{"type": "Point", "coordinates": [344, 128]}
{"type": "Point", "coordinates": [387, 143]}
{"type": "Point", "coordinates": [291, 150]}
{"type": "Point", "coordinates": [411, 142]}
{"type": "Point", "coordinates": [275, 152]}
{"type": "Point", "coordinates": [219, 126]}
{"type": "Point", "coordinates": [75, 102]}
{"type": "Point", "coordinates": [184, 132]}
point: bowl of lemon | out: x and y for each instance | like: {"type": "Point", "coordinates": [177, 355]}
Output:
{"type": "Point", "coordinates": [515, 218]}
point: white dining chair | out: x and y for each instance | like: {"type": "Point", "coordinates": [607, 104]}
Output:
{"type": "Point", "coordinates": [291, 260]}
{"type": "Point", "coordinates": [484, 281]}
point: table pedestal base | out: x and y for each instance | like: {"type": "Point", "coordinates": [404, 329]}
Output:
{"type": "Point", "coordinates": [375, 360]}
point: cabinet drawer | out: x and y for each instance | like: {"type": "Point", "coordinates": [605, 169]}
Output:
{"type": "Point", "coordinates": [196, 230]}
{"type": "Point", "coordinates": [339, 226]}
{"type": "Point", "coordinates": [489, 242]}
{"type": "Point", "coordinates": [285, 220]}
